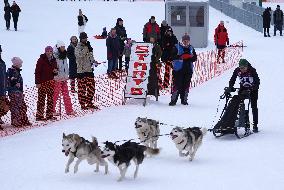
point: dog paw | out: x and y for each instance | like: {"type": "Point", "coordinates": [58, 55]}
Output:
{"type": "Point", "coordinates": [75, 170]}
{"type": "Point", "coordinates": [66, 170]}
{"type": "Point", "coordinates": [96, 170]}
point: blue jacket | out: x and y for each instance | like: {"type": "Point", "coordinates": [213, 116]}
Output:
{"type": "Point", "coordinates": [178, 62]}
{"type": "Point", "coordinates": [2, 78]}
{"type": "Point", "coordinates": [13, 77]}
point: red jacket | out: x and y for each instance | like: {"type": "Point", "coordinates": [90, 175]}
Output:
{"type": "Point", "coordinates": [44, 69]}
{"type": "Point", "coordinates": [221, 35]}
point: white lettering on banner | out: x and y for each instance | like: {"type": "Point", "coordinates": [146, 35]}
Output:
{"type": "Point", "coordinates": [139, 66]}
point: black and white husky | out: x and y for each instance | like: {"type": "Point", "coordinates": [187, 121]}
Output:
{"type": "Point", "coordinates": [75, 146]}
{"type": "Point", "coordinates": [148, 131]}
{"type": "Point", "coordinates": [121, 155]}
{"type": "Point", "coordinates": [187, 140]}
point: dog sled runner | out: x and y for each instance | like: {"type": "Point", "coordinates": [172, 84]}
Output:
{"type": "Point", "coordinates": [234, 118]}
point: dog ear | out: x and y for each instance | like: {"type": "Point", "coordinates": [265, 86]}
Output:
{"type": "Point", "coordinates": [64, 136]}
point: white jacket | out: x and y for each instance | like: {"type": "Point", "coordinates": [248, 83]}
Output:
{"type": "Point", "coordinates": [63, 69]}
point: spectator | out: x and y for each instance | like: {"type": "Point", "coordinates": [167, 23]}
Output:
{"type": "Point", "coordinates": [168, 43]}
{"type": "Point", "coordinates": [86, 82]}
{"type": "Point", "coordinates": [183, 57]}
{"type": "Point", "coordinates": [15, 9]}
{"type": "Point", "coordinates": [127, 53]}
{"type": "Point", "coordinates": [82, 20]}
{"type": "Point", "coordinates": [60, 85]}
{"type": "Point", "coordinates": [113, 51]}
{"type": "Point", "coordinates": [249, 80]}
{"type": "Point", "coordinates": [221, 39]}
{"type": "Point", "coordinates": [18, 106]}
{"type": "Point", "coordinates": [4, 103]}
{"type": "Point", "coordinates": [278, 20]}
{"type": "Point", "coordinates": [266, 16]}
{"type": "Point", "coordinates": [46, 69]}
{"type": "Point", "coordinates": [7, 15]}
{"type": "Point", "coordinates": [72, 62]}
{"type": "Point", "coordinates": [122, 36]}
{"type": "Point", "coordinates": [151, 29]}
{"type": "Point", "coordinates": [153, 83]}
{"type": "Point", "coordinates": [164, 27]}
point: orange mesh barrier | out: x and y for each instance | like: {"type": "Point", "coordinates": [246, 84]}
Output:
{"type": "Point", "coordinates": [110, 92]}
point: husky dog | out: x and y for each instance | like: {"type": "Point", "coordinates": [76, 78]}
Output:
{"type": "Point", "coordinates": [76, 146]}
{"type": "Point", "coordinates": [147, 131]}
{"type": "Point", "coordinates": [121, 155]}
{"type": "Point", "coordinates": [188, 140]}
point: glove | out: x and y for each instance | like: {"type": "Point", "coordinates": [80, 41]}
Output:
{"type": "Point", "coordinates": [228, 90]}
{"type": "Point", "coordinates": [95, 63]}
{"type": "Point", "coordinates": [186, 56]}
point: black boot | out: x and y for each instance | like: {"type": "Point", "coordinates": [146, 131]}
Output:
{"type": "Point", "coordinates": [255, 129]}
{"type": "Point", "coordinates": [265, 35]}
{"type": "Point", "coordinates": [184, 103]}
{"type": "Point", "coordinates": [172, 103]}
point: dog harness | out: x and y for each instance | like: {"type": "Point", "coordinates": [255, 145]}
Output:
{"type": "Point", "coordinates": [83, 141]}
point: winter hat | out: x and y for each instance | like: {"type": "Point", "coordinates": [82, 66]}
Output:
{"type": "Point", "coordinates": [60, 44]}
{"type": "Point", "coordinates": [243, 63]}
{"type": "Point", "coordinates": [83, 35]}
{"type": "Point", "coordinates": [48, 48]}
{"type": "Point", "coordinates": [119, 19]}
{"type": "Point", "coordinates": [17, 62]}
{"type": "Point", "coordinates": [164, 23]}
{"type": "Point", "coordinates": [278, 6]}
{"type": "Point", "coordinates": [152, 17]}
{"type": "Point", "coordinates": [185, 37]}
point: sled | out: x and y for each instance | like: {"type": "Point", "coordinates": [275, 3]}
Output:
{"type": "Point", "coordinates": [234, 118]}
{"type": "Point", "coordinates": [99, 37]}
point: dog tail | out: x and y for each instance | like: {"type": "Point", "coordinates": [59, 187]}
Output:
{"type": "Point", "coordinates": [95, 141]}
{"type": "Point", "coordinates": [204, 131]}
{"type": "Point", "coordinates": [152, 151]}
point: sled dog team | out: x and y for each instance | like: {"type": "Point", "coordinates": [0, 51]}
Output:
{"type": "Point", "coordinates": [187, 141]}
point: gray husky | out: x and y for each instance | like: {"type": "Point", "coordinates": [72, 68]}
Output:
{"type": "Point", "coordinates": [147, 131]}
{"type": "Point", "coordinates": [75, 146]}
{"type": "Point", "coordinates": [187, 140]}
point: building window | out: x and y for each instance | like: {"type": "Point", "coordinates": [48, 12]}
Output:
{"type": "Point", "coordinates": [178, 16]}
{"type": "Point", "coordinates": [196, 16]}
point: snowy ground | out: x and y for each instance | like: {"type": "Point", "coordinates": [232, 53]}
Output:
{"type": "Point", "coordinates": [33, 159]}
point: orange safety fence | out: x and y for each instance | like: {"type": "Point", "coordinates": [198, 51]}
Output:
{"type": "Point", "coordinates": [110, 92]}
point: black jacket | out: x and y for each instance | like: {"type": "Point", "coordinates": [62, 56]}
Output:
{"type": "Point", "coordinates": [122, 36]}
{"type": "Point", "coordinates": [15, 9]}
{"type": "Point", "coordinates": [167, 44]}
{"type": "Point", "coordinates": [113, 46]}
{"type": "Point", "coordinates": [72, 61]}
{"type": "Point", "coordinates": [81, 20]}
{"type": "Point", "coordinates": [248, 80]}
{"type": "Point", "coordinates": [7, 14]}
{"type": "Point", "coordinates": [266, 18]}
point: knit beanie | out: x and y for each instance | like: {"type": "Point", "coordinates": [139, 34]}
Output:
{"type": "Point", "coordinates": [17, 62]}
{"type": "Point", "coordinates": [60, 44]}
{"type": "Point", "coordinates": [243, 63]}
{"type": "Point", "coordinates": [164, 23]}
{"type": "Point", "coordinates": [185, 37]}
{"type": "Point", "coordinates": [48, 48]}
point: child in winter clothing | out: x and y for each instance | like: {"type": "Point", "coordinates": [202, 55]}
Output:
{"type": "Point", "coordinates": [18, 106]}
{"type": "Point", "coordinates": [127, 52]}
{"type": "Point", "coordinates": [61, 78]}
{"type": "Point", "coordinates": [104, 33]}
